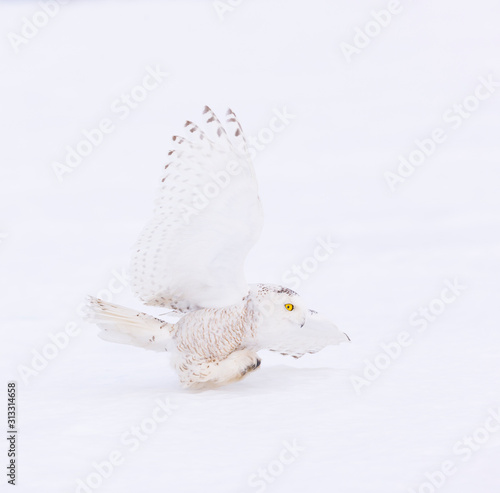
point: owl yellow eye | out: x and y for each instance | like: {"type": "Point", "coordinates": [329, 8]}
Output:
{"type": "Point", "coordinates": [289, 307]}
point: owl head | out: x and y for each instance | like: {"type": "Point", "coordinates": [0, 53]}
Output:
{"type": "Point", "coordinates": [285, 324]}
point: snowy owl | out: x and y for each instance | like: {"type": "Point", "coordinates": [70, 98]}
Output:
{"type": "Point", "coordinates": [190, 258]}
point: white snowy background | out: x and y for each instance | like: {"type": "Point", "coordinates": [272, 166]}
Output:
{"type": "Point", "coordinates": [323, 176]}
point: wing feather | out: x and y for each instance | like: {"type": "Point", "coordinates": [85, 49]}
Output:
{"type": "Point", "coordinates": [207, 217]}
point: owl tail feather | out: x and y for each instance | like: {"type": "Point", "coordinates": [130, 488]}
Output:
{"type": "Point", "coordinates": [126, 326]}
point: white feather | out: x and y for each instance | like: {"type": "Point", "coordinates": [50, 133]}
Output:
{"type": "Point", "coordinates": [126, 326]}
{"type": "Point", "coordinates": [191, 254]}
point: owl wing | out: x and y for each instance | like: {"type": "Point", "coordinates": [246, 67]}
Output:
{"type": "Point", "coordinates": [207, 217]}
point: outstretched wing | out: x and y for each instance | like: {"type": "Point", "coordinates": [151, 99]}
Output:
{"type": "Point", "coordinates": [207, 218]}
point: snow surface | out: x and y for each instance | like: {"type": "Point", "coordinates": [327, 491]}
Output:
{"type": "Point", "coordinates": [322, 176]}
